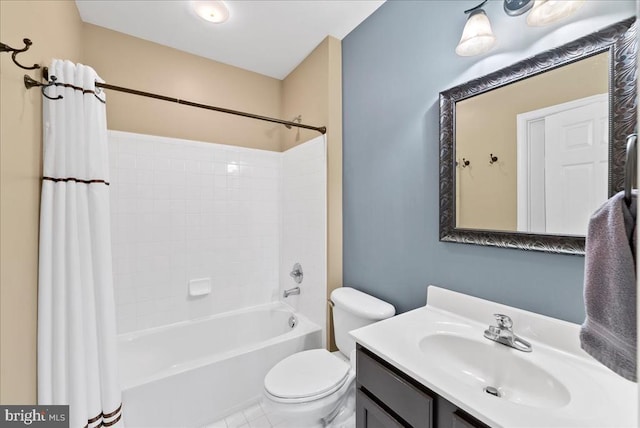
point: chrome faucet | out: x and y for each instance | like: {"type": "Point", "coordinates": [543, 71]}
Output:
{"type": "Point", "coordinates": [503, 333]}
{"type": "Point", "coordinates": [291, 291]}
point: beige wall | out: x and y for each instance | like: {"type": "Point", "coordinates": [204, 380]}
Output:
{"type": "Point", "coordinates": [487, 194]}
{"type": "Point", "coordinates": [314, 90]}
{"type": "Point", "coordinates": [127, 61]}
{"type": "Point", "coordinates": [55, 29]}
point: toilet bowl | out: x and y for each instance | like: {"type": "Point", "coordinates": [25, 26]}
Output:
{"type": "Point", "coordinates": [315, 387]}
{"type": "Point", "coordinates": [309, 385]}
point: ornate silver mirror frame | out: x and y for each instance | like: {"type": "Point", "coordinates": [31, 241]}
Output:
{"type": "Point", "coordinates": [620, 41]}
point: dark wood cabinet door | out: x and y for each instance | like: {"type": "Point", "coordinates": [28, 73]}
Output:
{"type": "Point", "coordinates": [398, 393]}
{"type": "Point", "coordinates": [463, 420]}
{"type": "Point", "coordinates": [371, 415]}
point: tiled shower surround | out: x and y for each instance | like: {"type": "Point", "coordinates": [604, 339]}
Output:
{"type": "Point", "coordinates": [304, 231]}
{"type": "Point", "coordinates": [184, 210]}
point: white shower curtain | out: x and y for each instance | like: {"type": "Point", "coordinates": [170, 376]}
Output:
{"type": "Point", "coordinates": [77, 355]}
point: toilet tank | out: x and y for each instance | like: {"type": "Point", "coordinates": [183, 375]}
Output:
{"type": "Point", "coordinates": [353, 309]}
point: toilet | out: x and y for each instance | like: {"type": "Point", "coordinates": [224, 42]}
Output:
{"type": "Point", "coordinates": [316, 388]}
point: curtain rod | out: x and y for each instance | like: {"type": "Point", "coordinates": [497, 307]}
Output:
{"type": "Point", "coordinates": [321, 129]}
{"type": "Point", "coordinates": [31, 83]}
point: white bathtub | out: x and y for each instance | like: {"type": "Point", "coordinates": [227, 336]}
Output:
{"type": "Point", "coordinates": [194, 372]}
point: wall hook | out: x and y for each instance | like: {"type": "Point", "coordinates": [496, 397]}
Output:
{"type": "Point", "coordinates": [492, 158]}
{"type": "Point", "coordinates": [30, 83]}
{"type": "Point", "coordinates": [465, 163]}
{"type": "Point", "coordinates": [15, 52]}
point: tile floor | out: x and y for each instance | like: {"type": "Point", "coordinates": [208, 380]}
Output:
{"type": "Point", "coordinates": [253, 416]}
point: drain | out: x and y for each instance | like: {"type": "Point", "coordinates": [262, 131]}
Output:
{"type": "Point", "coordinates": [492, 391]}
{"type": "Point", "coordinates": [293, 321]}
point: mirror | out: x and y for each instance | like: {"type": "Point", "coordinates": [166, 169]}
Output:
{"type": "Point", "coordinates": [529, 152]}
{"type": "Point", "coordinates": [537, 183]}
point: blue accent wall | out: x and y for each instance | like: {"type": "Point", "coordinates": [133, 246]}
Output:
{"type": "Point", "coordinates": [395, 64]}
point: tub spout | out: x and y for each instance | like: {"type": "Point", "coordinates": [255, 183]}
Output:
{"type": "Point", "coordinates": [291, 291]}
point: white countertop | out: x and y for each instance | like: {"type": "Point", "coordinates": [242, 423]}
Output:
{"type": "Point", "coordinates": [586, 393]}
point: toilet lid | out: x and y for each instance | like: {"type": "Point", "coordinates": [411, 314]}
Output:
{"type": "Point", "coordinates": [315, 373]}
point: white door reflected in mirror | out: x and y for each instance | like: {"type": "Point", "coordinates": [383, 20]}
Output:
{"type": "Point", "coordinates": [550, 134]}
{"type": "Point", "coordinates": [562, 165]}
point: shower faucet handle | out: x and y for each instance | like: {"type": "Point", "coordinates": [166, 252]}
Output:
{"type": "Point", "coordinates": [296, 273]}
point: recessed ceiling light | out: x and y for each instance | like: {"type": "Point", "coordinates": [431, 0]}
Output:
{"type": "Point", "coordinates": [211, 10]}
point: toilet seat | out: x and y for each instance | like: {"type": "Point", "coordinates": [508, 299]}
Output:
{"type": "Point", "coordinates": [306, 376]}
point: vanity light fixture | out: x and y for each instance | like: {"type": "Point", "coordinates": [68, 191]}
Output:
{"type": "Point", "coordinates": [517, 7]}
{"type": "Point", "coordinates": [545, 12]}
{"type": "Point", "coordinates": [477, 36]}
{"type": "Point", "coordinates": [215, 11]}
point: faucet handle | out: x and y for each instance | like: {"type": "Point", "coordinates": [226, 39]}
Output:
{"type": "Point", "coordinates": [504, 321]}
{"type": "Point", "coordinates": [296, 273]}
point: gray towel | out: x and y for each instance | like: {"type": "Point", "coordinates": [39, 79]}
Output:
{"type": "Point", "coordinates": [609, 330]}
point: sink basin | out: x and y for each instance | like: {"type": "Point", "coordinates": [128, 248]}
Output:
{"type": "Point", "coordinates": [482, 363]}
{"type": "Point", "coordinates": [557, 385]}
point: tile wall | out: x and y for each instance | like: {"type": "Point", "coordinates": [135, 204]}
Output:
{"type": "Point", "coordinates": [304, 228]}
{"type": "Point", "coordinates": [185, 210]}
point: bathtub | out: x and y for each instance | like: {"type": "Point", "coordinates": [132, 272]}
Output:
{"type": "Point", "coordinates": [194, 372]}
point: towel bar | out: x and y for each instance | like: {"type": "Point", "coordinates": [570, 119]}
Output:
{"type": "Point", "coordinates": [630, 167]}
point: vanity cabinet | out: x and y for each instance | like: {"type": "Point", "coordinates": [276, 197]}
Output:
{"type": "Point", "coordinates": [388, 398]}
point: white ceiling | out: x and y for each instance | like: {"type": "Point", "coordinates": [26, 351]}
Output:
{"type": "Point", "coordinates": [268, 37]}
